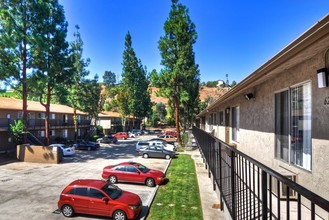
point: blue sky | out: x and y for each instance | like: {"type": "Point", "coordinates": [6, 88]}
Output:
{"type": "Point", "coordinates": [235, 37]}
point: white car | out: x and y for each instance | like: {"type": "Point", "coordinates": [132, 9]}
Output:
{"type": "Point", "coordinates": [66, 150]}
{"type": "Point", "coordinates": [140, 145]}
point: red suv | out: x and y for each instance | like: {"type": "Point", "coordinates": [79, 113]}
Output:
{"type": "Point", "coordinates": [133, 172]}
{"type": "Point", "coordinates": [98, 197]}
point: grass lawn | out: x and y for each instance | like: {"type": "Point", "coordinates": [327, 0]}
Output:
{"type": "Point", "coordinates": [179, 198]}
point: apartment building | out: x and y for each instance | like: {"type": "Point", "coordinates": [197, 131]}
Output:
{"type": "Point", "coordinates": [279, 114]}
{"type": "Point", "coordinates": [61, 122]}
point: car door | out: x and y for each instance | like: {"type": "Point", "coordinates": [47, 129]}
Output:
{"type": "Point", "coordinates": [133, 174]}
{"type": "Point", "coordinates": [120, 173]}
{"type": "Point", "coordinates": [80, 199]}
{"type": "Point", "coordinates": [98, 204]}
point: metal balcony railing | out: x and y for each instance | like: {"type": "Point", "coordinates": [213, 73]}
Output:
{"type": "Point", "coordinates": [251, 190]}
{"type": "Point", "coordinates": [34, 124]}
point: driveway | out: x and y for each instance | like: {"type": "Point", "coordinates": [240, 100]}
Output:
{"type": "Point", "coordinates": [31, 190]}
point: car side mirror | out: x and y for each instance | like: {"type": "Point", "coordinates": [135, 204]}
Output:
{"type": "Point", "coordinates": [105, 199]}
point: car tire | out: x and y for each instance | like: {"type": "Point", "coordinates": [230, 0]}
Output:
{"type": "Point", "coordinates": [167, 156]}
{"type": "Point", "coordinates": [89, 148]}
{"type": "Point", "coordinates": [119, 215]}
{"type": "Point", "coordinates": [113, 179]}
{"type": "Point", "coordinates": [145, 156]}
{"type": "Point", "coordinates": [67, 211]}
{"type": "Point", "coordinates": [150, 182]}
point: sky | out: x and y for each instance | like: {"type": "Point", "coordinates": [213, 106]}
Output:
{"type": "Point", "coordinates": [235, 37]}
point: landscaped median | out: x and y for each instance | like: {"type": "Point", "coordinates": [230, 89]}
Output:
{"type": "Point", "coordinates": [179, 198]}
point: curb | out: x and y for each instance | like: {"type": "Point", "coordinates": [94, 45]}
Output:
{"type": "Point", "coordinates": [148, 204]}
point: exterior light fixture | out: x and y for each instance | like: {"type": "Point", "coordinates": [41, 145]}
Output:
{"type": "Point", "coordinates": [322, 78]}
{"type": "Point", "coordinates": [249, 96]}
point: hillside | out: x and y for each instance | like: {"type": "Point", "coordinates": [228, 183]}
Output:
{"type": "Point", "coordinates": [204, 93]}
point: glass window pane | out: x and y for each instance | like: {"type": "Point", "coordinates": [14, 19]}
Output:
{"type": "Point", "coordinates": [282, 125]}
{"type": "Point", "coordinates": [301, 150]}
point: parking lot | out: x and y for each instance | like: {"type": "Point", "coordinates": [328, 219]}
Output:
{"type": "Point", "coordinates": [31, 190]}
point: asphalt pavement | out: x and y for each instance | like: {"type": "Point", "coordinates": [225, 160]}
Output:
{"type": "Point", "coordinates": [31, 190]}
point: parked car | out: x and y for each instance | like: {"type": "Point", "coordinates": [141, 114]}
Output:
{"type": "Point", "coordinates": [168, 138]}
{"type": "Point", "coordinates": [107, 139]}
{"type": "Point", "coordinates": [99, 197]}
{"type": "Point", "coordinates": [66, 150]}
{"type": "Point", "coordinates": [140, 145]}
{"type": "Point", "coordinates": [133, 172]}
{"type": "Point", "coordinates": [86, 145]}
{"type": "Point", "coordinates": [172, 133]}
{"type": "Point", "coordinates": [121, 135]}
{"type": "Point", "coordinates": [156, 151]}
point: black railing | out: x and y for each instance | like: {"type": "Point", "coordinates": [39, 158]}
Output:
{"type": "Point", "coordinates": [251, 190]}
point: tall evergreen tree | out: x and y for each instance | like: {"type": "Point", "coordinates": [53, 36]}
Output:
{"type": "Point", "coordinates": [109, 78]}
{"type": "Point", "coordinates": [78, 71]}
{"type": "Point", "coordinates": [179, 79]}
{"type": "Point", "coordinates": [134, 82]}
{"type": "Point", "coordinates": [17, 33]}
{"type": "Point", "coordinates": [50, 54]}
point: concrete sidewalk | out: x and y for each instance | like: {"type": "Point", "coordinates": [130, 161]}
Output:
{"type": "Point", "coordinates": [209, 198]}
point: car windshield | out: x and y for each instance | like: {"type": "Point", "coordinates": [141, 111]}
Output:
{"type": "Point", "coordinates": [112, 191]}
{"type": "Point", "coordinates": [143, 168]}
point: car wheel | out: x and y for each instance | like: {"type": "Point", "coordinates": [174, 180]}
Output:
{"type": "Point", "coordinates": [167, 157]}
{"type": "Point", "coordinates": [89, 148]}
{"type": "Point", "coordinates": [119, 215]}
{"type": "Point", "coordinates": [67, 211]}
{"type": "Point", "coordinates": [113, 179]}
{"type": "Point", "coordinates": [145, 156]}
{"type": "Point", "coordinates": [150, 182]}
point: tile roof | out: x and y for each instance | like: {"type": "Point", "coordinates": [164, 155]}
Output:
{"type": "Point", "coordinates": [17, 104]}
{"type": "Point", "coordinates": [107, 114]}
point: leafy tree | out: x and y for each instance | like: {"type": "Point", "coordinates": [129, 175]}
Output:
{"type": "Point", "coordinates": [90, 96]}
{"type": "Point", "coordinates": [123, 105]}
{"type": "Point", "coordinates": [134, 82]}
{"type": "Point", "coordinates": [180, 75]}
{"type": "Point", "coordinates": [17, 34]}
{"type": "Point", "coordinates": [109, 78]}
{"type": "Point", "coordinates": [50, 55]}
{"type": "Point", "coordinates": [160, 109]}
{"type": "Point", "coordinates": [233, 83]}
{"type": "Point", "coordinates": [17, 130]}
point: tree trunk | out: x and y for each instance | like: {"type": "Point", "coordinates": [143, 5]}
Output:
{"type": "Point", "coordinates": [25, 124]}
{"type": "Point", "coordinates": [47, 115]}
{"type": "Point", "coordinates": [75, 125]}
{"type": "Point", "coordinates": [176, 106]}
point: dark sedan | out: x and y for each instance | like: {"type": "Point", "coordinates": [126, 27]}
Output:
{"type": "Point", "coordinates": [107, 139]}
{"type": "Point", "coordinates": [86, 145]}
{"type": "Point", "coordinates": [156, 151]}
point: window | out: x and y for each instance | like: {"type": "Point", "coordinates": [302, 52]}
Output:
{"type": "Point", "coordinates": [235, 123]}
{"type": "Point", "coordinates": [80, 191]}
{"type": "Point", "coordinates": [65, 133]}
{"type": "Point", "coordinates": [41, 133]}
{"type": "Point", "coordinates": [42, 115]}
{"type": "Point", "coordinates": [19, 115]}
{"type": "Point", "coordinates": [94, 193]}
{"type": "Point", "coordinates": [52, 133]}
{"type": "Point", "coordinates": [52, 116]}
{"type": "Point", "coordinates": [221, 118]}
{"type": "Point", "coordinates": [131, 169]}
{"type": "Point", "coordinates": [293, 126]}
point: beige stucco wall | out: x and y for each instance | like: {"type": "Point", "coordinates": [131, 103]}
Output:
{"type": "Point", "coordinates": [257, 125]}
{"type": "Point", "coordinates": [38, 154]}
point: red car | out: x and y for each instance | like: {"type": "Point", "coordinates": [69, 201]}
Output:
{"type": "Point", "coordinates": [98, 197]}
{"type": "Point", "coordinates": [133, 172]}
{"type": "Point", "coordinates": [121, 135]}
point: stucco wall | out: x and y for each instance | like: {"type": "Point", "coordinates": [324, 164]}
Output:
{"type": "Point", "coordinates": [257, 125]}
{"type": "Point", "coordinates": [38, 154]}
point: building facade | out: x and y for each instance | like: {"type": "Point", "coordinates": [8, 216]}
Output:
{"type": "Point", "coordinates": [61, 122]}
{"type": "Point", "coordinates": [279, 114]}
